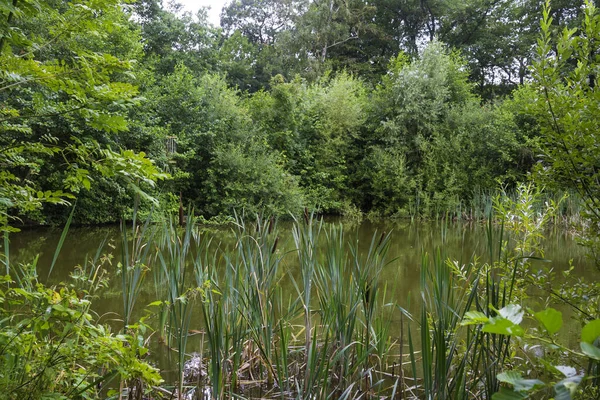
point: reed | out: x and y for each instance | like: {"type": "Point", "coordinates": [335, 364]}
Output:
{"type": "Point", "coordinates": [480, 204]}
{"type": "Point", "coordinates": [463, 362]}
{"type": "Point", "coordinates": [172, 258]}
{"type": "Point", "coordinates": [216, 310]}
{"type": "Point", "coordinates": [251, 325]}
{"type": "Point", "coordinates": [306, 235]}
{"type": "Point", "coordinates": [135, 263]}
{"type": "Point", "coordinates": [366, 274]}
{"type": "Point", "coordinates": [92, 275]}
{"type": "Point", "coordinates": [340, 349]}
{"type": "Point", "coordinates": [332, 337]}
{"type": "Point", "coordinates": [252, 334]}
{"type": "Point", "coordinates": [339, 302]}
{"type": "Point", "coordinates": [225, 321]}
{"type": "Point", "coordinates": [258, 261]}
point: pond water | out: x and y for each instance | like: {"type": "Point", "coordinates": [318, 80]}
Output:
{"type": "Point", "coordinates": [408, 243]}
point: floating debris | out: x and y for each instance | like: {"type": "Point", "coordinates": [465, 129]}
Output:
{"type": "Point", "coordinates": [194, 370]}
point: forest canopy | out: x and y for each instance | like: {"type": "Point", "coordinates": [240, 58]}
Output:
{"type": "Point", "coordinates": [387, 107]}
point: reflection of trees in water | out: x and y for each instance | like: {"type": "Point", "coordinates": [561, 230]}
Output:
{"type": "Point", "coordinates": [80, 242]}
{"type": "Point", "coordinates": [24, 247]}
{"type": "Point", "coordinates": [459, 241]}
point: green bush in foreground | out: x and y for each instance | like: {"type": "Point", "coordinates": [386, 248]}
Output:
{"type": "Point", "coordinates": [50, 346]}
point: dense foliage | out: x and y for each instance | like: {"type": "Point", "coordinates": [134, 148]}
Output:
{"type": "Point", "coordinates": [386, 107]}
{"type": "Point", "coordinates": [65, 90]}
{"type": "Point", "coordinates": [51, 344]}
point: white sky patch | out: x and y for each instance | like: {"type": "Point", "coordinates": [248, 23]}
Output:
{"type": "Point", "coordinates": [215, 8]}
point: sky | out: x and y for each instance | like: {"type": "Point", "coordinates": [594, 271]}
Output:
{"type": "Point", "coordinates": [213, 13]}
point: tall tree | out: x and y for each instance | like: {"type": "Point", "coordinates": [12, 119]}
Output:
{"type": "Point", "coordinates": [64, 90]}
{"type": "Point", "coordinates": [261, 20]}
{"type": "Point", "coordinates": [497, 37]}
{"type": "Point", "coordinates": [567, 108]}
{"type": "Point", "coordinates": [434, 141]}
{"type": "Point", "coordinates": [171, 36]}
{"type": "Point", "coordinates": [251, 53]}
{"type": "Point", "coordinates": [329, 33]}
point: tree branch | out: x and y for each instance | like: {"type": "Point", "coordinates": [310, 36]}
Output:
{"type": "Point", "coordinates": [8, 20]}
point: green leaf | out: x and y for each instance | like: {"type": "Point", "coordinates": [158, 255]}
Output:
{"type": "Point", "coordinates": [60, 308]}
{"type": "Point", "coordinates": [566, 388]}
{"type": "Point", "coordinates": [512, 312]}
{"type": "Point", "coordinates": [566, 370]}
{"type": "Point", "coordinates": [591, 331]}
{"type": "Point", "coordinates": [550, 319]}
{"type": "Point", "coordinates": [503, 326]}
{"type": "Point", "coordinates": [520, 384]}
{"type": "Point", "coordinates": [474, 318]}
{"type": "Point", "coordinates": [508, 394]}
{"type": "Point", "coordinates": [6, 6]}
{"type": "Point", "coordinates": [590, 350]}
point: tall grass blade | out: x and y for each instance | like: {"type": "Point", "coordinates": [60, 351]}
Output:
{"type": "Point", "coordinates": [6, 254]}
{"type": "Point", "coordinates": [61, 241]}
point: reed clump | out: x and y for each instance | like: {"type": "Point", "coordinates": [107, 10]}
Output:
{"type": "Point", "coordinates": [328, 339]}
{"type": "Point", "coordinates": [332, 337]}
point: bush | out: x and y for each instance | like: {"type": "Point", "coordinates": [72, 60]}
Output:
{"type": "Point", "coordinates": [51, 347]}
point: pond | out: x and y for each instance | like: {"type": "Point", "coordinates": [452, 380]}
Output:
{"type": "Point", "coordinates": [400, 275]}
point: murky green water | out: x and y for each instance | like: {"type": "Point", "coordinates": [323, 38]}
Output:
{"type": "Point", "coordinates": [408, 242]}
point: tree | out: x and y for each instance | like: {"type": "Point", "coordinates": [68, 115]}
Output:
{"type": "Point", "coordinates": [314, 127]}
{"type": "Point", "coordinates": [567, 105]}
{"type": "Point", "coordinates": [253, 50]}
{"type": "Point", "coordinates": [328, 34]}
{"type": "Point", "coordinates": [170, 37]}
{"type": "Point", "coordinates": [497, 38]}
{"type": "Point", "coordinates": [260, 21]}
{"type": "Point", "coordinates": [63, 98]}
{"type": "Point", "coordinates": [249, 66]}
{"type": "Point", "coordinates": [221, 162]}
{"type": "Point", "coordinates": [450, 145]}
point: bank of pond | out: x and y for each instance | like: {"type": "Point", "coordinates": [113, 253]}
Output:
{"type": "Point", "coordinates": [307, 309]}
